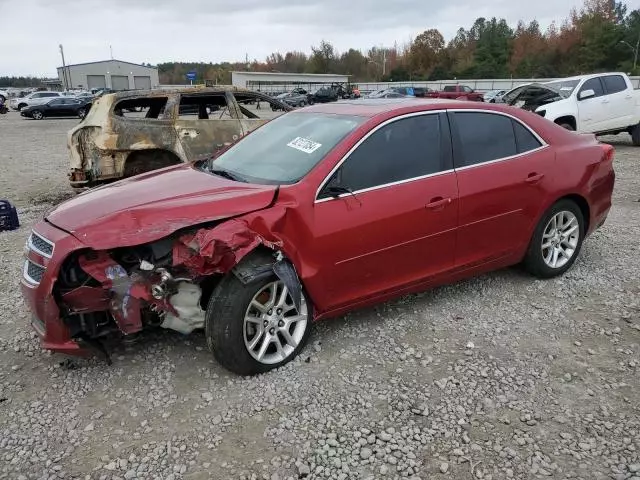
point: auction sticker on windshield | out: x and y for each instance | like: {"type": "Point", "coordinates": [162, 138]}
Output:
{"type": "Point", "coordinates": [304, 145]}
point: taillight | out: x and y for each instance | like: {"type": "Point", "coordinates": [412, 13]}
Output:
{"type": "Point", "coordinates": [608, 152]}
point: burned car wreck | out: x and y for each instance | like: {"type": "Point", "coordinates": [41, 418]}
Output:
{"type": "Point", "coordinates": [132, 132]}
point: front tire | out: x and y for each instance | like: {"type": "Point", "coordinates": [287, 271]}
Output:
{"type": "Point", "coordinates": [556, 241]}
{"type": "Point", "coordinates": [255, 328]}
{"type": "Point", "coordinates": [37, 115]}
{"type": "Point", "coordinates": [82, 113]}
{"type": "Point", "coordinates": [567, 126]}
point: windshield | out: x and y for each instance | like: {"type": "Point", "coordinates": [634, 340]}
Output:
{"type": "Point", "coordinates": [565, 86]}
{"type": "Point", "coordinates": [285, 149]}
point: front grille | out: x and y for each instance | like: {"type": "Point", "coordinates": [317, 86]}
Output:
{"type": "Point", "coordinates": [40, 245]}
{"type": "Point", "coordinates": [33, 272]}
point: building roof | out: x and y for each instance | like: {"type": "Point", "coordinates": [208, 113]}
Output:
{"type": "Point", "coordinates": [108, 61]}
{"type": "Point", "coordinates": [240, 72]}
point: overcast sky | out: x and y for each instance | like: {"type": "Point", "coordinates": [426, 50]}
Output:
{"type": "Point", "coordinates": [157, 31]}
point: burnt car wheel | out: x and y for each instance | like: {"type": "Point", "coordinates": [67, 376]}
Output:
{"type": "Point", "coordinates": [255, 328]}
{"type": "Point", "coordinates": [556, 241]}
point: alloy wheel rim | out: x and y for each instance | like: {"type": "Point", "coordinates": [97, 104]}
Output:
{"type": "Point", "coordinates": [560, 239]}
{"type": "Point", "coordinates": [273, 328]}
{"type": "Point", "coordinates": [37, 115]}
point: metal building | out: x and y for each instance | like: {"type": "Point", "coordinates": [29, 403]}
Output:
{"type": "Point", "coordinates": [113, 74]}
{"type": "Point", "coordinates": [255, 80]}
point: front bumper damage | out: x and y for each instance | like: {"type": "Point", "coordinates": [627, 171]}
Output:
{"type": "Point", "coordinates": [64, 317]}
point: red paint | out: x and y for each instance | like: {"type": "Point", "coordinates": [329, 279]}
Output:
{"type": "Point", "coordinates": [349, 252]}
{"type": "Point", "coordinates": [218, 249]}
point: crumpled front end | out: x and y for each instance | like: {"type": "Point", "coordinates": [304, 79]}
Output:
{"type": "Point", "coordinates": [80, 298]}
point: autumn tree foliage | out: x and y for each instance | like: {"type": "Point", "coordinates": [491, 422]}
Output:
{"type": "Point", "coordinates": [600, 36]}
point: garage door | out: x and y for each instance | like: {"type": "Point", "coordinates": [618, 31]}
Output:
{"type": "Point", "coordinates": [142, 83]}
{"type": "Point", "coordinates": [119, 82]}
{"type": "Point", "coordinates": [96, 81]}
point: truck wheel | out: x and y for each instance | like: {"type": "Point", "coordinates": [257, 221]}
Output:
{"type": "Point", "coordinates": [635, 135]}
{"type": "Point", "coordinates": [255, 328]}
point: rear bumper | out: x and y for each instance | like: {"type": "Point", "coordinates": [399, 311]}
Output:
{"type": "Point", "coordinates": [38, 293]}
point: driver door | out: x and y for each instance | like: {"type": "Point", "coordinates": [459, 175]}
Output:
{"type": "Point", "coordinates": [206, 123]}
{"type": "Point", "coordinates": [396, 228]}
{"type": "Point", "coordinates": [593, 111]}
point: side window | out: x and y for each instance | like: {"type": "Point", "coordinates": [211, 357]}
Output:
{"type": "Point", "coordinates": [467, 89]}
{"type": "Point", "coordinates": [57, 101]}
{"type": "Point", "coordinates": [135, 107]}
{"type": "Point", "coordinates": [50, 95]}
{"type": "Point", "coordinates": [614, 83]}
{"type": "Point", "coordinates": [593, 84]}
{"type": "Point", "coordinates": [525, 140]}
{"type": "Point", "coordinates": [254, 106]}
{"type": "Point", "coordinates": [204, 107]}
{"type": "Point", "coordinates": [483, 137]}
{"type": "Point", "coordinates": [404, 149]}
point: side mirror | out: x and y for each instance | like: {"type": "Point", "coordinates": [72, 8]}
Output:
{"type": "Point", "coordinates": [584, 94]}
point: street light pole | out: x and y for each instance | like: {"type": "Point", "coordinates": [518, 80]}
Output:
{"type": "Point", "coordinates": [635, 51]}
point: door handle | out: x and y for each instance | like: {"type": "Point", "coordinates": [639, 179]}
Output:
{"type": "Point", "coordinates": [534, 177]}
{"type": "Point", "coordinates": [438, 202]}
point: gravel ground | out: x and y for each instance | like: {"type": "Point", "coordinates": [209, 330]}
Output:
{"type": "Point", "coordinates": [498, 377]}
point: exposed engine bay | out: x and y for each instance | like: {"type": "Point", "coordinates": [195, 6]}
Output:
{"type": "Point", "coordinates": [166, 283]}
{"type": "Point", "coordinates": [532, 96]}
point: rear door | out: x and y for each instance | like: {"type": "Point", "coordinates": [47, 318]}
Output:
{"type": "Point", "coordinates": [206, 123]}
{"type": "Point", "coordinates": [504, 171]}
{"type": "Point", "coordinates": [621, 102]}
{"type": "Point", "coordinates": [397, 225]}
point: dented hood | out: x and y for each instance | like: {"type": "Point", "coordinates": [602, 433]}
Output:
{"type": "Point", "coordinates": [153, 205]}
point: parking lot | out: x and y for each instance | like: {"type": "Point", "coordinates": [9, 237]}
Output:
{"type": "Point", "coordinates": [502, 376]}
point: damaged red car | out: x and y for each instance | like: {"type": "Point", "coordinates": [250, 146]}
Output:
{"type": "Point", "coordinates": [320, 211]}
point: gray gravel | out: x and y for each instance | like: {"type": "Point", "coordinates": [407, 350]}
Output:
{"type": "Point", "coordinates": [498, 377]}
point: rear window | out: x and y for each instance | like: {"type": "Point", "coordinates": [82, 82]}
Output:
{"type": "Point", "coordinates": [204, 107]}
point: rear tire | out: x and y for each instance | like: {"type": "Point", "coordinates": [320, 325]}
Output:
{"type": "Point", "coordinates": [82, 113]}
{"type": "Point", "coordinates": [237, 343]}
{"type": "Point", "coordinates": [550, 239]}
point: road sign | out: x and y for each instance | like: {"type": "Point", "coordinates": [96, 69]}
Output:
{"type": "Point", "coordinates": [191, 76]}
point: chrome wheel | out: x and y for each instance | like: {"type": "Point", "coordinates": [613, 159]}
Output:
{"type": "Point", "coordinates": [560, 239]}
{"type": "Point", "coordinates": [273, 327]}
{"type": "Point", "coordinates": [37, 115]}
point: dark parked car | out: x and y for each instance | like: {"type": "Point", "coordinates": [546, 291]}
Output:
{"type": "Point", "coordinates": [58, 107]}
{"type": "Point", "coordinates": [325, 95]}
{"type": "Point", "coordinates": [315, 213]}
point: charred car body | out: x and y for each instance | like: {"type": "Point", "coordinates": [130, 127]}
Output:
{"type": "Point", "coordinates": [115, 141]}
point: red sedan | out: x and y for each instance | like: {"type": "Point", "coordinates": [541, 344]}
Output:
{"type": "Point", "coordinates": [320, 211]}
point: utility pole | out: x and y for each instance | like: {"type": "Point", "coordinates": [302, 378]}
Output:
{"type": "Point", "coordinates": [64, 70]}
{"type": "Point", "coordinates": [111, 51]}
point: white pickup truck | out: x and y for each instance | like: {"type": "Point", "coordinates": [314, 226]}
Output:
{"type": "Point", "coordinates": [602, 103]}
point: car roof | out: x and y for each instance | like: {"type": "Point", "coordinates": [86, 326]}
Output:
{"type": "Point", "coordinates": [370, 107]}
